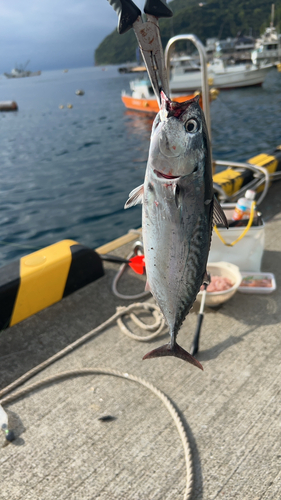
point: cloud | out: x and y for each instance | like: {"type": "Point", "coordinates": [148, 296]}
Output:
{"type": "Point", "coordinates": [53, 34]}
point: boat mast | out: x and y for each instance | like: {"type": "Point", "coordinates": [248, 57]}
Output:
{"type": "Point", "coordinates": [272, 15]}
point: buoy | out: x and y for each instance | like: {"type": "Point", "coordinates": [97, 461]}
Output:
{"type": "Point", "coordinates": [61, 106]}
{"type": "Point", "coordinates": [79, 92]}
{"type": "Point", "coordinates": [214, 94]}
{"type": "Point", "coordinates": [69, 106]}
{"type": "Point", "coordinates": [8, 106]}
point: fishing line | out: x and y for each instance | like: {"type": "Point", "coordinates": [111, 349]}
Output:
{"type": "Point", "coordinates": [228, 107]}
{"type": "Point", "coordinates": [121, 311]}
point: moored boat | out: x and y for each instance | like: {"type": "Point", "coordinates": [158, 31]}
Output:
{"type": "Point", "coordinates": [220, 75]}
{"type": "Point", "coordinates": [268, 46]}
{"type": "Point", "coordinates": [19, 73]}
{"type": "Point", "coordinates": [142, 97]}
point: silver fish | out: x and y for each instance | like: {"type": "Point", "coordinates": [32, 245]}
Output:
{"type": "Point", "coordinates": [179, 210]}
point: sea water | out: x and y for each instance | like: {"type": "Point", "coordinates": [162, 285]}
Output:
{"type": "Point", "coordinates": [67, 172]}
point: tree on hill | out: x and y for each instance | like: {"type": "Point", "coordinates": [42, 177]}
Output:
{"type": "Point", "coordinates": [213, 18]}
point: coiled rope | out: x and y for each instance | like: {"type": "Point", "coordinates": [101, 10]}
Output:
{"type": "Point", "coordinates": [121, 311]}
{"type": "Point", "coordinates": [105, 371]}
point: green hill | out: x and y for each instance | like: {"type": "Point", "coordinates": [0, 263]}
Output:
{"type": "Point", "coordinates": [215, 18]}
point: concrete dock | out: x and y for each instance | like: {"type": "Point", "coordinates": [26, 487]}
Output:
{"type": "Point", "coordinates": [231, 411]}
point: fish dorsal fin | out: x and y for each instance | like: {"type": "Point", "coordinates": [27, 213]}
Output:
{"type": "Point", "coordinates": [218, 214]}
{"type": "Point", "coordinates": [135, 197]}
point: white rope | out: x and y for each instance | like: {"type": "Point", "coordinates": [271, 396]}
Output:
{"type": "Point", "coordinates": [106, 371]}
{"type": "Point", "coordinates": [156, 327]}
{"type": "Point", "coordinates": [121, 311]}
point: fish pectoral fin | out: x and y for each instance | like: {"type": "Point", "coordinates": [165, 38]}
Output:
{"type": "Point", "coordinates": [176, 350]}
{"type": "Point", "coordinates": [135, 197]}
{"type": "Point", "coordinates": [218, 214]}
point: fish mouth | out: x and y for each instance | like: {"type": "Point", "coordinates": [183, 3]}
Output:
{"type": "Point", "coordinates": [165, 176]}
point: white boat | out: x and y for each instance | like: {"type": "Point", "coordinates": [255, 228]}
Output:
{"type": "Point", "coordinates": [268, 46]}
{"type": "Point", "coordinates": [186, 75]}
{"type": "Point", "coordinates": [234, 49]}
{"type": "Point", "coordinates": [21, 72]}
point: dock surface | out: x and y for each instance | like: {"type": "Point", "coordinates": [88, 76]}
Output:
{"type": "Point", "coordinates": [231, 411]}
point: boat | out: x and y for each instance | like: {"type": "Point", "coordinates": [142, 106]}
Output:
{"type": "Point", "coordinates": [234, 49]}
{"type": "Point", "coordinates": [131, 69]}
{"type": "Point", "coordinates": [21, 72]}
{"type": "Point", "coordinates": [268, 46]}
{"type": "Point", "coordinates": [186, 76]}
{"type": "Point", "coordinates": [142, 97]}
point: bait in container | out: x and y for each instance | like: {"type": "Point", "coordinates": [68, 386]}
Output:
{"type": "Point", "coordinates": [257, 283]}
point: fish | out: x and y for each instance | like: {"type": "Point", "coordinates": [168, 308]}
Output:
{"type": "Point", "coordinates": [179, 209]}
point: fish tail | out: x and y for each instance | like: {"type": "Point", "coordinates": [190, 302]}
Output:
{"type": "Point", "coordinates": [173, 350]}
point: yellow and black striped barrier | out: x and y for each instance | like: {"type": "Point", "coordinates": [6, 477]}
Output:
{"type": "Point", "coordinates": [42, 278]}
{"type": "Point", "coordinates": [231, 180]}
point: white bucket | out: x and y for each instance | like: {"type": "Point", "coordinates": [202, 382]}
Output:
{"type": "Point", "coordinates": [246, 253]}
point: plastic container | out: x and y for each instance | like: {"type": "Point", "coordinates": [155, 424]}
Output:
{"type": "Point", "coordinates": [243, 206]}
{"type": "Point", "coordinates": [247, 253]}
{"type": "Point", "coordinates": [257, 283]}
{"type": "Point", "coordinates": [228, 270]}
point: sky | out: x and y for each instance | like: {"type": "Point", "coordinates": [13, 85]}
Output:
{"type": "Point", "coordinates": [53, 34]}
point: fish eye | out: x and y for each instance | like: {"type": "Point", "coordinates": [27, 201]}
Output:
{"type": "Point", "coordinates": [192, 126]}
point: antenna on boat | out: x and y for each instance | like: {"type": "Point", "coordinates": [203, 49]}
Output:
{"type": "Point", "coordinates": [272, 15]}
{"type": "Point", "coordinates": [26, 64]}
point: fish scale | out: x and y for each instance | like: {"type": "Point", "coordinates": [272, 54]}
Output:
{"type": "Point", "coordinates": [193, 283]}
{"type": "Point", "coordinates": [178, 206]}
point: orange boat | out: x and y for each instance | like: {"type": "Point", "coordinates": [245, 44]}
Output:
{"type": "Point", "coordinates": [142, 97]}
{"type": "Point", "coordinates": [151, 105]}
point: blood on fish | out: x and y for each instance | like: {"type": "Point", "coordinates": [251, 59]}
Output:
{"type": "Point", "coordinates": [166, 176]}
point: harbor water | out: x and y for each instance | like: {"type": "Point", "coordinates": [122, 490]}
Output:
{"type": "Point", "coordinates": [67, 172]}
